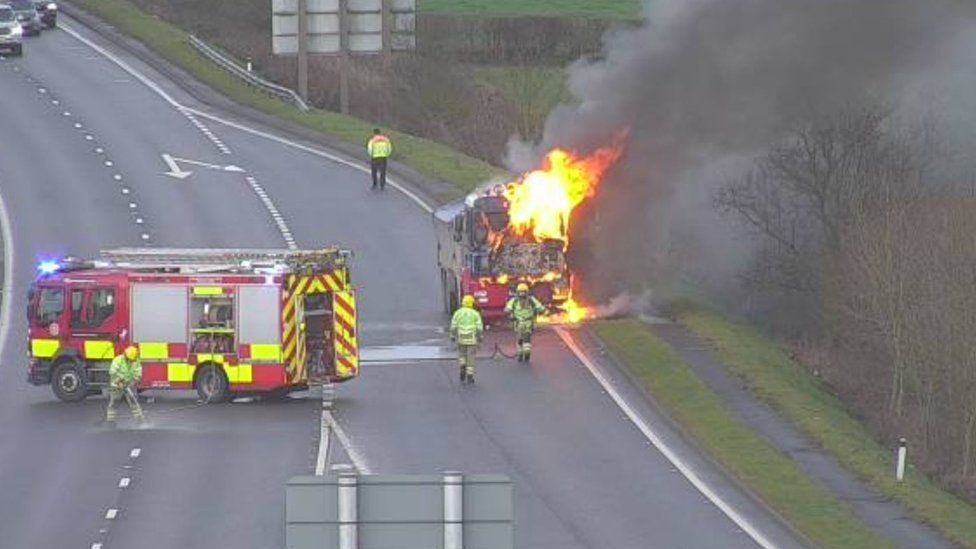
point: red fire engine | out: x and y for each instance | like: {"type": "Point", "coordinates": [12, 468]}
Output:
{"type": "Point", "coordinates": [476, 259]}
{"type": "Point", "coordinates": [222, 322]}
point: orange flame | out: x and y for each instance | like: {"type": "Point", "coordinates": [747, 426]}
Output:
{"type": "Point", "coordinates": [541, 202]}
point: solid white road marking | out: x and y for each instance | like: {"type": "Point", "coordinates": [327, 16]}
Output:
{"type": "Point", "coordinates": [662, 447]}
{"type": "Point", "coordinates": [7, 238]}
{"type": "Point", "coordinates": [354, 456]}
{"type": "Point", "coordinates": [325, 436]}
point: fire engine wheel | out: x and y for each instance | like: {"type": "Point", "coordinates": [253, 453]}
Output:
{"type": "Point", "coordinates": [211, 384]}
{"type": "Point", "coordinates": [68, 381]}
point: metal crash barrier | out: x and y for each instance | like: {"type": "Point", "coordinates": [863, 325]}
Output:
{"type": "Point", "coordinates": [450, 511]}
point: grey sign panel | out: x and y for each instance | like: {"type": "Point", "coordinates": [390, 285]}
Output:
{"type": "Point", "coordinates": [364, 21]}
{"type": "Point", "coordinates": [398, 511]}
{"type": "Point", "coordinates": [284, 25]}
{"type": "Point", "coordinates": [365, 5]}
{"type": "Point", "coordinates": [322, 6]}
{"type": "Point", "coordinates": [323, 43]}
{"type": "Point", "coordinates": [365, 43]}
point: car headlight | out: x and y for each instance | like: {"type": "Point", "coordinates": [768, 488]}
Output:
{"type": "Point", "coordinates": [17, 31]}
{"type": "Point", "coordinates": [52, 7]}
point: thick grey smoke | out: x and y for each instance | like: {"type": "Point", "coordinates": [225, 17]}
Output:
{"type": "Point", "coordinates": [703, 86]}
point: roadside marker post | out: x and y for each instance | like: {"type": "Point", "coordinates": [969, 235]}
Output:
{"type": "Point", "coordinates": [900, 468]}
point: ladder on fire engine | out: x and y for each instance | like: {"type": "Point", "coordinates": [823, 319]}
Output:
{"type": "Point", "coordinates": [201, 260]}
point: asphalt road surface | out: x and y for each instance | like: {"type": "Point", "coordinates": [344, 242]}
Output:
{"type": "Point", "coordinates": [81, 169]}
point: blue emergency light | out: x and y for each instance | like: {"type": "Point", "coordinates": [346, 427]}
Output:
{"type": "Point", "coordinates": [48, 267]}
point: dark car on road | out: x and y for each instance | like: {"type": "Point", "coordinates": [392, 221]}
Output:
{"type": "Point", "coordinates": [48, 12]}
{"type": "Point", "coordinates": [27, 16]}
{"type": "Point", "coordinates": [10, 32]}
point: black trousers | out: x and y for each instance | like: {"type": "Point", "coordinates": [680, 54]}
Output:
{"type": "Point", "coordinates": [378, 169]}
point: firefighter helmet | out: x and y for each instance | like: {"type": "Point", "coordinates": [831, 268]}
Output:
{"type": "Point", "coordinates": [522, 288]}
{"type": "Point", "coordinates": [131, 353]}
{"type": "Point", "coordinates": [468, 301]}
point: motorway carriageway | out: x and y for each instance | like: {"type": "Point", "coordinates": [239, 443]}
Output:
{"type": "Point", "coordinates": [85, 127]}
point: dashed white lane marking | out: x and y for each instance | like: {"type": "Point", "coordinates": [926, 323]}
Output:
{"type": "Point", "coordinates": [111, 514]}
{"type": "Point", "coordinates": [124, 482]}
{"type": "Point", "coordinates": [96, 546]}
{"type": "Point", "coordinates": [135, 453]}
{"type": "Point", "coordinates": [148, 83]}
{"type": "Point", "coordinates": [662, 447]}
{"type": "Point", "coordinates": [273, 210]}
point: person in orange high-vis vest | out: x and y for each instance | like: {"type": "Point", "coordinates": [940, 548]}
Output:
{"type": "Point", "coordinates": [379, 149]}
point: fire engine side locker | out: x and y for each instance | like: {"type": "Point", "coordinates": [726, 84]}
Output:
{"type": "Point", "coordinates": [160, 327]}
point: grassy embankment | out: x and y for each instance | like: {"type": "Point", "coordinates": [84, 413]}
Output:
{"type": "Point", "coordinates": [786, 386]}
{"type": "Point", "coordinates": [769, 473]}
{"type": "Point", "coordinates": [596, 9]}
{"type": "Point", "coordinates": [428, 157]}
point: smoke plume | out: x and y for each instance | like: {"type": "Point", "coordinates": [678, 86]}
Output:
{"type": "Point", "coordinates": [705, 85]}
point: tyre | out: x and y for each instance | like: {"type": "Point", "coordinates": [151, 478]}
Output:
{"type": "Point", "coordinates": [68, 381]}
{"type": "Point", "coordinates": [211, 384]}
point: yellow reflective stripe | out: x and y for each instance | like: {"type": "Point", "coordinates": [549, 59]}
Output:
{"type": "Point", "coordinates": [99, 350]}
{"type": "Point", "coordinates": [153, 351]}
{"type": "Point", "coordinates": [179, 372]}
{"type": "Point", "coordinates": [269, 352]}
{"type": "Point", "coordinates": [345, 341]}
{"type": "Point", "coordinates": [208, 290]}
{"type": "Point", "coordinates": [201, 358]}
{"type": "Point", "coordinates": [239, 374]}
{"type": "Point", "coordinates": [44, 348]}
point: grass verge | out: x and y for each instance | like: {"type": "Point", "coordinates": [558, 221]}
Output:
{"type": "Point", "coordinates": [787, 387]}
{"type": "Point", "coordinates": [430, 158]}
{"type": "Point", "coordinates": [765, 470]}
{"type": "Point", "coordinates": [590, 9]}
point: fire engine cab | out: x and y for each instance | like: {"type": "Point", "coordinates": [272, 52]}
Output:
{"type": "Point", "coordinates": [478, 256]}
{"type": "Point", "coordinates": [221, 321]}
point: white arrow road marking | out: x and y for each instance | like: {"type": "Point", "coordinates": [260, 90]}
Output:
{"type": "Point", "coordinates": [175, 171]}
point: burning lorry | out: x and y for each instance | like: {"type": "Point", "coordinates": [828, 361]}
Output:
{"type": "Point", "coordinates": [477, 256]}
{"type": "Point", "coordinates": [518, 232]}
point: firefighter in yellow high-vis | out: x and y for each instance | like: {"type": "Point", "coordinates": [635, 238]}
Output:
{"type": "Point", "coordinates": [467, 330]}
{"type": "Point", "coordinates": [523, 310]}
{"type": "Point", "coordinates": [124, 376]}
{"type": "Point", "coordinates": [379, 148]}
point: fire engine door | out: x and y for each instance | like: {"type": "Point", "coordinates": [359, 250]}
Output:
{"type": "Point", "coordinates": [94, 322]}
{"type": "Point", "coordinates": [47, 316]}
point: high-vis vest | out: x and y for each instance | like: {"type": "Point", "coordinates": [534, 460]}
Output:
{"type": "Point", "coordinates": [124, 370]}
{"type": "Point", "coordinates": [379, 147]}
{"type": "Point", "coordinates": [466, 323]}
{"type": "Point", "coordinates": [524, 312]}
